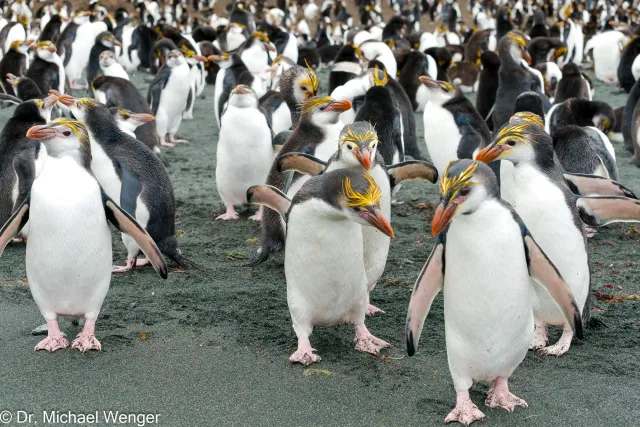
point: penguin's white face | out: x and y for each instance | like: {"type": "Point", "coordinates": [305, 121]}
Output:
{"type": "Point", "coordinates": [46, 50]}
{"type": "Point", "coordinates": [438, 91]}
{"type": "Point", "coordinates": [110, 41]}
{"type": "Point", "coordinates": [107, 59]}
{"type": "Point", "coordinates": [175, 58]}
{"type": "Point", "coordinates": [131, 121]}
{"type": "Point", "coordinates": [515, 141]}
{"type": "Point", "coordinates": [62, 137]}
{"type": "Point", "coordinates": [242, 96]}
{"type": "Point", "coordinates": [305, 86]}
{"type": "Point", "coordinates": [358, 147]}
{"type": "Point", "coordinates": [324, 110]}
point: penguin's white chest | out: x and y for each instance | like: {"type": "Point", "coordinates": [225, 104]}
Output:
{"type": "Point", "coordinates": [441, 135]}
{"type": "Point", "coordinates": [80, 50]}
{"type": "Point", "coordinates": [68, 255]}
{"type": "Point", "coordinates": [173, 99]}
{"type": "Point", "coordinates": [326, 281]}
{"type": "Point", "coordinates": [375, 243]}
{"type": "Point", "coordinates": [487, 296]}
{"type": "Point", "coordinates": [115, 70]}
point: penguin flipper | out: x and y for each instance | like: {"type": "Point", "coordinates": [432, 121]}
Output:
{"type": "Point", "coordinates": [302, 163]}
{"type": "Point", "coordinates": [127, 224]}
{"type": "Point", "coordinates": [412, 169]}
{"type": "Point", "coordinates": [601, 210]}
{"type": "Point", "coordinates": [586, 185]}
{"type": "Point", "coordinates": [279, 140]}
{"type": "Point", "coordinates": [130, 189]}
{"type": "Point", "coordinates": [4, 97]}
{"type": "Point", "coordinates": [155, 88]}
{"type": "Point", "coordinates": [545, 273]}
{"type": "Point", "coordinates": [426, 289]}
{"type": "Point", "coordinates": [14, 224]}
{"type": "Point", "coordinates": [269, 196]}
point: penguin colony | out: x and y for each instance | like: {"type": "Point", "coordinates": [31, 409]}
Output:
{"type": "Point", "coordinates": [525, 172]}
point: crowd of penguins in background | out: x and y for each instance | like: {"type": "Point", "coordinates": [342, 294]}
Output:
{"type": "Point", "coordinates": [525, 173]}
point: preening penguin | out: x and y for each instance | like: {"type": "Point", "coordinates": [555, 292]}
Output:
{"type": "Point", "coordinates": [168, 95]}
{"type": "Point", "coordinates": [24, 87]}
{"type": "Point", "coordinates": [69, 249]}
{"type": "Point", "coordinates": [488, 325]}
{"type": "Point", "coordinates": [14, 62]}
{"type": "Point", "coordinates": [325, 286]}
{"type": "Point", "coordinates": [585, 150]}
{"type": "Point", "coordinates": [244, 152]}
{"type": "Point", "coordinates": [316, 134]}
{"type": "Point", "coordinates": [130, 172]}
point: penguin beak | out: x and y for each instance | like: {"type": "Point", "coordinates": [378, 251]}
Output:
{"type": "Point", "coordinates": [214, 58]}
{"type": "Point", "coordinates": [339, 106]}
{"type": "Point", "coordinates": [50, 101]}
{"type": "Point", "coordinates": [443, 216]}
{"type": "Point", "coordinates": [364, 157]}
{"type": "Point", "coordinates": [377, 220]}
{"type": "Point", "coordinates": [429, 82]}
{"type": "Point", "coordinates": [52, 49]}
{"type": "Point", "coordinates": [240, 90]}
{"type": "Point", "coordinates": [200, 58]}
{"type": "Point", "coordinates": [489, 154]}
{"type": "Point", "coordinates": [526, 56]}
{"type": "Point", "coordinates": [66, 100]}
{"type": "Point", "coordinates": [142, 117]}
{"type": "Point", "coordinates": [42, 132]}
{"type": "Point", "coordinates": [117, 43]}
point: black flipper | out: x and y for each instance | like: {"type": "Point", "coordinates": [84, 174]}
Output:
{"type": "Point", "coordinates": [155, 88]}
{"type": "Point", "coordinates": [130, 190]}
{"type": "Point", "coordinates": [14, 224]}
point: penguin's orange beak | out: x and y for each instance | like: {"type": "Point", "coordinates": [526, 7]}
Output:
{"type": "Point", "coordinates": [117, 43]}
{"type": "Point", "coordinates": [526, 56]}
{"type": "Point", "coordinates": [200, 58]}
{"type": "Point", "coordinates": [339, 106]}
{"type": "Point", "coordinates": [142, 117]}
{"type": "Point", "coordinates": [50, 101]}
{"type": "Point", "coordinates": [363, 155]}
{"type": "Point", "coordinates": [378, 220]}
{"type": "Point", "coordinates": [42, 132]}
{"type": "Point", "coordinates": [214, 58]}
{"type": "Point", "coordinates": [489, 154]}
{"type": "Point", "coordinates": [66, 100]}
{"type": "Point", "coordinates": [443, 216]}
{"type": "Point", "coordinates": [52, 49]}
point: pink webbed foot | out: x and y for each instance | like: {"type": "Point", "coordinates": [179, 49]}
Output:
{"type": "Point", "coordinates": [85, 342]}
{"type": "Point", "coordinates": [258, 215]}
{"type": "Point", "coordinates": [229, 214]}
{"type": "Point", "coordinates": [55, 339]}
{"type": "Point", "coordinates": [372, 309]}
{"type": "Point", "coordinates": [304, 355]}
{"type": "Point", "coordinates": [123, 268]}
{"type": "Point", "coordinates": [540, 338]}
{"type": "Point", "coordinates": [561, 347]}
{"type": "Point", "coordinates": [367, 343]}
{"type": "Point", "coordinates": [590, 231]}
{"type": "Point", "coordinates": [86, 339]}
{"type": "Point", "coordinates": [173, 140]}
{"type": "Point", "coordinates": [500, 397]}
{"type": "Point", "coordinates": [165, 143]}
{"type": "Point", "coordinates": [465, 411]}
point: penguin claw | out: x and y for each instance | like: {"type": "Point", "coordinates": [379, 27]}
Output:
{"type": "Point", "coordinates": [304, 356]}
{"type": "Point", "coordinates": [499, 396]}
{"type": "Point", "coordinates": [86, 342]}
{"type": "Point", "coordinates": [52, 343]}
{"type": "Point", "coordinates": [464, 414]}
{"type": "Point", "coordinates": [372, 309]}
{"type": "Point", "coordinates": [367, 343]}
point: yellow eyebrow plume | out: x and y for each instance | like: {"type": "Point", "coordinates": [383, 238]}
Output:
{"type": "Point", "coordinates": [455, 184]}
{"type": "Point", "coordinates": [312, 77]}
{"type": "Point", "coordinates": [367, 135]}
{"type": "Point", "coordinates": [78, 128]}
{"type": "Point", "coordinates": [356, 199]}
{"type": "Point", "coordinates": [377, 81]}
{"type": "Point", "coordinates": [310, 104]}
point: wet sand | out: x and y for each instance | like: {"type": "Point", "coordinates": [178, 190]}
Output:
{"type": "Point", "coordinates": [210, 347]}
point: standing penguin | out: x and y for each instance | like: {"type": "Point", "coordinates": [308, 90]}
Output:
{"type": "Point", "coordinates": [103, 42]}
{"type": "Point", "coordinates": [20, 158]}
{"type": "Point", "coordinates": [77, 43]}
{"type": "Point", "coordinates": [316, 134]}
{"type": "Point", "coordinates": [626, 76]}
{"type": "Point", "coordinates": [488, 305]}
{"type": "Point", "coordinates": [244, 152]}
{"type": "Point", "coordinates": [488, 86]}
{"type": "Point", "coordinates": [47, 69]}
{"type": "Point", "coordinates": [168, 96]}
{"type": "Point", "coordinates": [453, 129]}
{"type": "Point", "coordinates": [325, 286]}
{"type": "Point", "coordinates": [69, 249]}
{"type": "Point", "coordinates": [572, 85]}
{"type": "Point", "coordinates": [14, 62]}
{"type": "Point", "coordinates": [131, 173]}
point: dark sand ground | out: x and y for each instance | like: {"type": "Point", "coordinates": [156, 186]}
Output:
{"type": "Point", "coordinates": [211, 347]}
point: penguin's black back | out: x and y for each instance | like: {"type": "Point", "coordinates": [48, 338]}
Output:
{"type": "Point", "coordinates": [65, 40]}
{"type": "Point", "coordinates": [529, 102]}
{"type": "Point", "coordinates": [12, 62]}
{"type": "Point", "coordinates": [580, 150]}
{"type": "Point", "coordinates": [415, 65]}
{"type": "Point", "coordinates": [571, 85]}
{"type": "Point", "coordinates": [51, 31]}
{"type": "Point", "coordinates": [487, 85]}
{"type": "Point", "coordinates": [45, 74]}
{"type": "Point", "coordinates": [27, 89]}
{"type": "Point", "coordinates": [627, 115]}
{"type": "Point", "coordinates": [625, 76]}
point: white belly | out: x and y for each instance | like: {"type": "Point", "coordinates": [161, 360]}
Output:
{"type": "Point", "coordinates": [441, 135]}
{"type": "Point", "coordinates": [80, 50]}
{"type": "Point", "coordinates": [244, 154]}
{"type": "Point", "coordinates": [173, 99]}
{"type": "Point", "coordinates": [115, 70]}
{"type": "Point", "coordinates": [281, 119]}
{"type": "Point", "coordinates": [68, 254]}
{"type": "Point", "coordinates": [376, 243]}
{"type": "Point", "coordinates": [324, 285]}
{"type": "Point", "coordinates": [487, 303]}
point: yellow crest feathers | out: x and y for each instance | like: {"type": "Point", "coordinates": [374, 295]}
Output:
{"type": "Point", "coordinates": [356, 199]}
{"type": "Point", "coordinates": [78, 128]}
{"type": "Point", "coordinates": [368, 135]}
{"type": "Point", "coordinates": [377, 81]}
{"type": "Point", "coordinates": [517, 38]}
{"type": "Point", "coordinates": [312, 77]}
{"type": "Point", "coordinates": [188, 53]}
{"type": "Point", "coordinates": [310, 104]}
{"type": "Point", "coordinates": [517, 130]}
{"type": "Point", "coordinates": [454, 184]}
{"type": "Point", "coordinates": [88, 103]}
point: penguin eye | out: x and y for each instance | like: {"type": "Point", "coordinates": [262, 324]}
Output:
{"type": "Point", "coordinates": [511, 143]}
{"type": "Point", "coordinates": [357, 209]}
{"type": "Point", "coordinates": [465, 192]}
{"type": "Point", "coordinates": [66, 133]}
{"type": "Point", "coordinates": [349, 147]}
{"type": "Point", "coordinates": [304, 89]}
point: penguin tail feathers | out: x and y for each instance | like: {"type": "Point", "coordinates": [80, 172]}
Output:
{"type": "Point", "coordinates": [263, 254]}
{"type": "Point", "coordinates": [172, 251]}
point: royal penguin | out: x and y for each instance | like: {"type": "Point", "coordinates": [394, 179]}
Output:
{"type": "Point", "coordinates": [132, 174]}
{"type": "Point", "coordinates": [78, 43]}
{"type": "Point", "coordinates": [571, 34]}
{"type": "Point", "coordinates": [585, 150]}
{"type": "Point", "coordinates": [544, 49]}
{"type": "Point", "coordinates": [606, 49]}
{"type": "Point", "coordinates": [572, 85]}
{"type": "Point", "coordinates": [317, 134]}
{"type": "Point", "coordinates": [488, 86]}
{"type": "Point", "coordinates": [325, 287]}
{"type": "Point", "coordinates": [69, 254]}
{"type": "Point", "coordinates": [110, 67]}
{"type": "Point", "coordinates": [244, 152]}
{"type": "Point", "coordinates": [626, 75]}
{"type": "Point", "coordinates": [128, 54]}
{"type": "Point", "coordinates": [24, 88]}
{"type": "Point", "coordinates": [379, 51]}
{"type": "Point", "coordinates": [120, 93]}
{"type": "Point", "coordinates": [626, 127]}
{"type": "Point", "coordinates": [15, 61]}
{"type": "Point", "coordinates": [52, 29]}
{"type": "Point", "coordinates": [10, 33]}
{"type": "Point", "coordinates": [539, 27]}
{"type": "Point", "coordinates": [346, 66]}
{"type": "Point", "coordinates": [196, 79]}
{"type": "Point", "coordinates": [47, 69]}
{"type": "Point", "coordinates": [168, 95]}
{"type": "Point", "coordinates": [21, 159]}
{"type": "Point", "coordinates": [103, 42]}
{"type": "Point", "coordinates": [580, 112]}
{"type": "Point", "coordinates": [358, 146]}
{"type": "Point", "coordinates": [453, 128]}
{"type": "Point", "coordinates": [128, 121]}
{"type": "Point", "coordinates": [255, 53]}
{"type": "Point", "coordinates": [488, 326]}
{"type": "Point", "coordinates": [417, 64]}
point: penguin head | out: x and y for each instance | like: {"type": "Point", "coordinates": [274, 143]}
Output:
{"type": "Point", "coordinates": [358, 144]}
{"type": "Point", "coordinates": [78, 106]}
{"type": "Point", "coordinates": [464, 185]}
{"type": "Point", "coordinates": [175, 58]}
{"type": "Point", "coordinates": [64, 137]}
{"type": "Point", "coordinates": [514, 46]}
{"type": "Point", "coordinates": [359, 200]}
{"type": "Point", "coordinates": [81, 17]}
{"type": "Point", "coordinates": [45, 106]}
{"type": "Point", "coordinates": [523, 139]}
{"type": "Point", "coordinates": [191, 56]}
{"type": "Point", "coordinates": [300, 83]}
{"type": "Point", "coordinates": [439, 91]}
{"type": "Point", "coordinates": [323, 110]}
{"type": "Point", "coordinates": [242, 96]}
{"type": "Point", "coordinates": [45, 50]}
{"type": "Point", "coordinates": [107, 58]}
{"type": "Point", "coordinates": [107, 39]}
{"type": "Point", "coordinates": [128, 119]}
{"type": "Point", "coordinates": [21, 46]}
